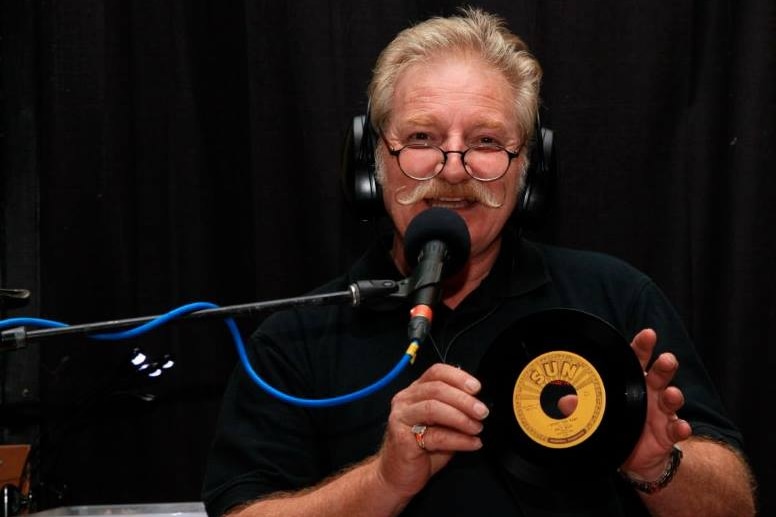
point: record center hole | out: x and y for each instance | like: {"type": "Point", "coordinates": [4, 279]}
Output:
{"type": "Point", "coordinates": [558, 399]}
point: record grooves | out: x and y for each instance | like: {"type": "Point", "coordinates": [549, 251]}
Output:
{"type": "Point", "coordinates": [538, 360]}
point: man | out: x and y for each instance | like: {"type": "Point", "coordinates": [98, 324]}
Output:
{"type": "Point", "coordinates": [453, 101]}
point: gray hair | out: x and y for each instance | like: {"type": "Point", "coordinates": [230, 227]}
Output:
{"type": "Point", "coordinates": [474, 31]}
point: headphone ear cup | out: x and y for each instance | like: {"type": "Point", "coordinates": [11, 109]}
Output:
{"type": "Point", "coordinates": [359, 181]}
{"type": "Point", "coordinates": [539, 180]}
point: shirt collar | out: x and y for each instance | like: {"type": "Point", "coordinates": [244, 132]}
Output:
{"type": "Point", "coordinates": [519, 269]}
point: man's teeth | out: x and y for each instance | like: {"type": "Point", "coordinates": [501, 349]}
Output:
{"type": "Point", "coordinates": [449, 202]}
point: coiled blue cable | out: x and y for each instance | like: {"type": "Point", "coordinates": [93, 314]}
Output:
{"type": "Point", "coordinates": [408, 357]}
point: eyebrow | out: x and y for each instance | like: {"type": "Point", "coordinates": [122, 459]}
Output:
{"type": "Point", "coordinates": [419, 120]}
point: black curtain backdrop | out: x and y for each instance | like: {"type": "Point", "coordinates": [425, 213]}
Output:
{"type": "Point", "coordinates": [161, 153]}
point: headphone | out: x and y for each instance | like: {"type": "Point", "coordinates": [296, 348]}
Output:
{"type": "Point", "coordinates": [364, 195]}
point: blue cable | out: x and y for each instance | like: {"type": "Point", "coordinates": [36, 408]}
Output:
{"type": "Point", "coordinates": [157, 322]}
{"type": "Point", "coordinates": [20, 322]}
{"type": "Point", "coordinates": [408, 357]}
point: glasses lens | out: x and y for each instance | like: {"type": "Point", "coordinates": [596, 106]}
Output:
{"type": "Point", "coordinates": [484, 163]}
{"type": "Point", "coordinates": [487, 163]}
{"type": "Point", "coordinates": [421, 162]}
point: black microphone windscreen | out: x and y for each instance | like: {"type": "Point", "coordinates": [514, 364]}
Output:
{"type": "Point", "coordinates": [440, 224]}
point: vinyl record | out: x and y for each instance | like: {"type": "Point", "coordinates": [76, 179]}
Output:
{"type": "Point", "coordinates": [538, 360]}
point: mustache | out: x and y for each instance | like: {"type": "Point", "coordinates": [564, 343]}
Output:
{"type": "Point", "coordinates": [439, 189]}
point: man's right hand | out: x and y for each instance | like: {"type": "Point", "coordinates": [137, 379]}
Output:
{"type": "Point", "coordinates": [442, 399]}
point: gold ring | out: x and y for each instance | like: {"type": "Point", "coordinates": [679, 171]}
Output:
{"type": "Point", "coordinates": [419, 430]}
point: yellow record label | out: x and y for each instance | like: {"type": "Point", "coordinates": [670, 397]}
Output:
{"type": "Point", "coordinates": [559, 367]}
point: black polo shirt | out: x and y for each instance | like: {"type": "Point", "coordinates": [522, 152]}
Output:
{"type": "Point", "coordinates": [263, 445]}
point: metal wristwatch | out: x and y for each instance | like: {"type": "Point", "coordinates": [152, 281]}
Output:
{"type": "Point", "coordinates": [650, 487]}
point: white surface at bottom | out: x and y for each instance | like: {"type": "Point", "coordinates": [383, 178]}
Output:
{"type": "Point", "coordinates": [189, 509]}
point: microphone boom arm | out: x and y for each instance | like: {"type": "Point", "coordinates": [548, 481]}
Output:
{"type": "Point", "coordinates": [357, 292]}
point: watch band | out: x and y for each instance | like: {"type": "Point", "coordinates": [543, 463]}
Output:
{"type": "Point", "coordinates": [650, 487]}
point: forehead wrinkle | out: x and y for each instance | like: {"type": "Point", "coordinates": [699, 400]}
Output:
{"type": "Point", "coordinates": [428, 119]}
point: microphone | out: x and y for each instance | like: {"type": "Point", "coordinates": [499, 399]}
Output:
{"type": "Point", "coordinates": [436, 246]}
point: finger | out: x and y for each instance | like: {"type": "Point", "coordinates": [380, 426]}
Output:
{"type": "Point", "coordinates": [442, 395]}
{"type": "Point", "coordinates": [437, 439]}
{"type": "Point", "coordinates": [662, 371]}
{"type": "Point", "coordinates": [567, 404]}
{"type": "Point", "coordinates": [680, 430]}
{"type": "Point", "coordinates": [671, 400]}
{"type": "Point", "coordinates": [450, 395]}
{"type": "Point", "coordinates": [438, 413]}
{"type": "Point", "coordinates": [643, 345]}
{"type": "Point", "coordinates": [451, 375]}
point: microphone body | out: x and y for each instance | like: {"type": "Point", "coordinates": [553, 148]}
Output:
{"type": "Point", "coordinates": [426, 291]}
{"type": "Point", "coordinates": [428, 274]}
{"type": "Point", "coordinates": [437, 243]}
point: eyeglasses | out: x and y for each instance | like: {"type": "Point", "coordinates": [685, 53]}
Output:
{"type": "Point", "coordinates": [483, 162]}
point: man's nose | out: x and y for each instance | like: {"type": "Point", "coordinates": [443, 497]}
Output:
{"type": "Point", "coordinates": [454, 170]}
